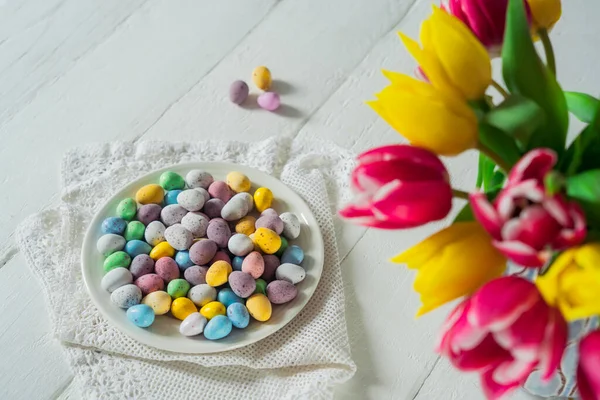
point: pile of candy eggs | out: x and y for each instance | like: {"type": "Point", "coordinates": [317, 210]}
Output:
{"type": "Point", "coordinates": [209, 253]}
{"type": "Point", "coordinates": [261, 76]}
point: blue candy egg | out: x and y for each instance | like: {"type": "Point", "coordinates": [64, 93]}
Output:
{"type": "Point", "coordinates": [227, 297]}
{"type": "Point", "coordinates": [238, 315]}
{"type": "Point", "coordinates": [182, 258]}
{"type": "Point", "coordinates": [236, 263]}
{"type": "Point", "coordinates": [136, 247]}
{"type": "Point", "coordinates": [114, 225]}
{"type": "Point", "coordinates": [141, 315]}
{"type": "Point", "coordinates": [171, 197]}
{"type": "Point", "coordinates": [293, 255]}
{"type": "Point", "coordinates": [218, 327]}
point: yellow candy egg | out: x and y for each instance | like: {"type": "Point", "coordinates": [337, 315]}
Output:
{"type": "Point", "coordinates": [263, 198]}
{"type": "Point", "coordinates": [182, 307]}
{"type": "Point", "coordinates": [259, 307]}
{"type": "Point", "coordinates": [213, 309]}
{"type": "Point", "coordinates": [253, 238]}
{"type": "Point", "coordinates": [245, 226]}
{"type": "Point", "coordinates": [163, 249]}
{"type": "Point", "coordinates": [150, 194]}
{"type": "Point", "coordinates": [238, 182]}
{"type": "Point", "coordinates": [159, 301]}
{"type": "Point", "coordinates": [218, 273]}
{"type": "Point", "coordinates": [261, 76]}
{"type": "Point", "coordinates": [268, 241]}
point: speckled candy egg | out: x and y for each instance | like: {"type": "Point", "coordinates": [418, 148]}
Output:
{"type": "Point", "coordinates": [283, 247]}
{"type": "Point", "coordinates": [268, 240]}
{"type": "Point", "coordinates": [150, 194]}
{"type": "Point", "coordinates": [159, 301]}
{"type": "Point", "coordinates": [195, 275]}
{"type": "Point", "coordinates": [116, 260]}
{"type": "Point", "coordinates": [116, 278]}
{"type": "Point", "coordinates": [170, 180]}
{"type": "Point", "coordinates": [179, 237]}
{"type": "Point", "coordinates": [253, 265]}
{"type": "Point", "coordinates": [213, 208]}
{"type": "Point", "coordinates": [271, 222]}
{"type": "Point", "coordinates": [149, 283]}
{"type": "Point", "coordinates": [245, 226]}
{"type": "Point", "coordinates": [280, 292]}
{"type": "Point", "coordinates": [195, 222]}
{"type": "Point", "coordinates": [218, 273]}
{"type": "Point", "coordinates": [240, 245]}
{"type": "Point", "coordinates": [269, 101]}
{"type": "Point", "coordinates": [134, 231]}
{"type": "Point", "coordinates": [221, 256]}
{"type": "Point", "coordinates": [148, 213]}
{"type": "Point", "coordinates": [293, 255]}
{"type": "Point", "coordinates": [193, 324]}
{"type": "Point", "coordinates": [126, 209]}
{"type": "Point", "coordinates": [141, 315]}
{"type": "Point", "coordinates": [219, 232]}
{"type": "Point", "coordinates": [238, 92]}
{"type": "Point", "coordinates": [238, 315]}
{"type": "Point", "coordinates": [220, 190]}
{"type": "Point", "coordinates": [271, 264]}
{"type": "Point", "coordinates": [171, 197]}
{"type": "Point", "coordinates": [173, 214]}
{"type": "Point", "coordinates": [261, 76]}
{"type": "Point", "coordinates": [126, 296]}
{"type": "Point", "coordinates": [291, 225]}
{"type": "Point", "coordinates": [238, 182]}
{"type": "Point", "coordinates": [202, 294]}
{"type": "Point", "coordinates": [181, 307]}
{"type": "Point", "coordinates": [226, 296]}
{"type": "Point", "coordinates": [155, 233]}
{"type": "Point", "coordinates": [167, 269]}
{"type": "Point", "coordinates": [197, 178]}
{"type": "Point", "coordinates": [113, 225]}
{"type": "Point", "coordinates": [109, 243]}
{"type": "Point", "coordinates": [234, 209]}
{"type": "Point", "coordinates": [261, 286]}
{"type": "Point", "coordinates": [290, 272]}
{"type": "Point", "coordinates": [141, 265]}
{"type": "Point", "coordinates": [259, 307]}
{"type": "Point", "coordinates": [218, 328]}
{"type": "Point", "coordinates": [212, 309]}
{"type": "Point", "coordinates": [178, 288]}
{"type": "Point", "coordinates": [163, 249]}
{"type": "Point", "coordinates": [203, 251]}
{"type": "Point", "coordinates": [242, 284]}
{"type": "Point", "coordinates": [183, 260]}
{"type": "Point", "coordinates": [136, 247]}
{"type": "Point", "coordinates": [263, 198]}
{"type": "Point", "coordinates": [191, 200]}
{"type": "Point", "coordinates": [236, 263]}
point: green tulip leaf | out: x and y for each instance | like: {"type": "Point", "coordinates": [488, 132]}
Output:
{"type": "Point", "coordinates": [525, 74]}
{"type": "Point", "coordinates": [584, 153]}
{"type": "Point", "coordinates": [500, 143]}
{"type": "Point", "coordinates": [582, 105]}
{"type": "Point", "coordinates": [585, 188]}
{"type": "Point", "coordinates": [497, 181]}
{"type": "Point", "coordinates": [485, 172]}
{"type": "Point", "coordinates": [465, 215]}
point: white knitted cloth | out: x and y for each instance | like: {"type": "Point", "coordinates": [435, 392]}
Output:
{"type": "Point", "coordinates": [302, 361]}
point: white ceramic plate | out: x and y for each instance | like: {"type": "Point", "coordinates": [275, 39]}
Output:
{"type": "Point", "coordinates": [164, 333]}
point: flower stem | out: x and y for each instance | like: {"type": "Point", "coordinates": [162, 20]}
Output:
{"type": "Point", "coordinates": [493, 156]}
{"type": "Point", "coordinates": [460, 194]}
{"type": "Point", "coordinates": [500, 89]}
{"type": "Point", "coordinates": [550, 60]}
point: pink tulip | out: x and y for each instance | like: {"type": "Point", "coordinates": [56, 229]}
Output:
{"type": "Point", "coordinates": [399, 186]}
{"type": "Point", "coordinates": [588, 371]}
{"type": "Point", "coordinates": [527, 224]}
{"type": "Point", "coordinates": [504, 332]}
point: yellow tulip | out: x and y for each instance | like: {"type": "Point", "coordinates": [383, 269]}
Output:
{"type": "Point", "coordinates": [452, 263]}
{"type": "Point", "coordinates": [573, 282]}
{"type": "Point", "coordinates": [451, 56]}
{"type": "Point", "coordinates": [427, 117]}
{"type": "Point", "coordinates": [544, 13]}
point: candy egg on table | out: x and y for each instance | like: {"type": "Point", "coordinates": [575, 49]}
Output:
{"type": "Point", "coordinates": [291, 225]}
{"type": "Point", "coordinates": [269, 101]}
{"type": "Point", "coordinates": [148, 213]}
{"type": "Point", "coordinates": [271, 264]}
{"type": "Point", "coordinates": [220, 190]}
{"type": "Point", "coordinates": [263, 198]}
{"type": "Point", "coordinates": [218, 273]}
{"type": "Point", "coordinates": [195, 222]}
{"type": "Point", "coordinates": [110, 243]}
{"type": "Point", "coordinates": [238, 92]}
{"type": "Point", "coordinates": [155, 233]}
{"type": "Point", "coordinates": [234, 209]}
{"type": "Point", "coordinates": [159, 301]}
{"type": "Point", "coordinates": [261, 76]}
{"type": "Point", "coordinates": [195, 275]}
{"type": "Point", "coordinates": [218, 328]}
{"type": "Point", "coordinates": [236, 263]}
{"type": "Point", "coordinates": [126, 209]}
{"type": "Point", "coordinates": [113, 225]}
{"type": "Point", "coordinates": [259, 307]}
{"type": "Point", "coordinates": [163, 249]}
{"type": "Point", "coordinates": [116, 260]}
{"type": "Point", "coordinates": [293, 255]}
{"type": "Point", "coordinates": [254, 264]}
{"type": "Point", "coordinates": [284, 245]}
{"type": "Point", "coordinates": [218, 231]}
{"type": "Point", "coordinates": [193, 324]}
{"type": "Point", "coordinates": [238, 315]}
{"type": "Point", "coordinates": [134, 231]}
{"type": "Point", "coordinates": [280, 292]}
{"type": "Point", "coordinates": [181, 307]}
{"type": "Point", "coordinates": [167, 269]}
{"type": "Point", "coordinates": [261, 286]}
{"type": "Point", "coordinates": [240, 245]}
{"type": "Point", "coordinates": [179, 237]}
{"type": "Point", "coordinates": [116, 278]}
{"type": "Point", "coordinates": [171, 196]}
{"type": "Point", "coordinates": [290, 272]}
{"type": "Point", "coordinates": [170, 180]}
{"type": "Point", "coordinates": [203, 251]}
{"type": "Point", "coordinates": [238, 182]}
{"type": "Point", "coordinates": [141, 265]}
{"type": "Point", "coordinates": [212, 309]}
{"type": "Point", "coordinates": [136, 247]}
{"type": "Point", "coordinates": [183, 260]}
{"type": "Point", "coordinates": [242, 284]}
{"type": "Point", "coordinates": [150, 194]}
{"type": "Point", "coordinates": [268, 240]}
{"type": "Point", "coordinates": [126, 296]}
{"type": "Point", "coordinates": [213, 208]}
{"type": "Point", "coordinates": [245, 226]}
{"type": "Point", "coordinates": [172, 214]}
{"type": "Point", "coordinates": [149, 283]}
{"type": "Point", "coordinates": [141, 315]}
{"type": "Point", "coordinates": [178, 288]}
{"type": "Point", "coordinates": [191, 200]}
{"type": "Point", "coordinates": [202, 294]}
{"type": "Point", "coordinates": [197, 178]}
{"type": "Point", "coordinates": [272, 222]}
{"type": "Point", "coordinates": [226, 296]}
{"type": "Point", "coordinates": [221, 256]}
{"type": "Point", "coordinates": [204, 193]}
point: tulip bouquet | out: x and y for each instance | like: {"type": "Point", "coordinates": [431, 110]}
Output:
{"type": "Point", "coordinates": [536, 202]}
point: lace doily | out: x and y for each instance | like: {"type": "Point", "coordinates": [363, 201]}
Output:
{"type": "Point", "coordinates": [303, 360]}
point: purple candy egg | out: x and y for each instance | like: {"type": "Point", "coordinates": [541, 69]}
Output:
{"type": "Point", "coordinates": [220, 190]}
{"type": "Point", "coordinates": [238, 92]}
{"type": "Point", "coordinates": [148, 213]}
{"type": "Point", "coordinates": [141, 265]}
{"type": "Point", "coordinates": [203, 251]}
{"type": "Point", "coordinates": [195, 275]}
{"type": "Point", "coordinates": [272, 222]}
{"type": "Point", "coordinates": [219, 231]}
{"type": "Point", "coordinates": [213, 207]}
{"type": "Point", "coordinates": [271, 264]}
{"type": "Point", "coordinates": [280, 292]}
{"type": "Point", "coordinates": [242, 284]}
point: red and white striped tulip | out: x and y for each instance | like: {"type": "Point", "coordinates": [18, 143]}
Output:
{"type": "Point", "coordinates": [588, 371]}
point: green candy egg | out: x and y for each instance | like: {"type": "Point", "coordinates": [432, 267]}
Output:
{"type": "Point", "coordinates": [134, 231]}
{"type": "Point", "coordinates": [284, 245]}
{"type": "Point", "coordinates": [171, 181]}
{"type": "Point", "coordinates": [127, 209]}
{"type": "Point", "coordinates": [178, 288]}
{"type": "Point", "coordinates": [117, 260]}
{"type": "Point", "coordinates": [261, 287]}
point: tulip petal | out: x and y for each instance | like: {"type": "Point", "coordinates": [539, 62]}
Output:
{"type": "Point", "coordinates": [486, 214]}
{"type": "Point", "coordinates": [525, 335]}
{"type": "Point", "coordinates": [553, 345]}
{"type": "Point", "coordinates": [522, 254]}
{"type": "Point", "coordinates": [513, 372]}
{"type": "Point", "coordinates": [506, 201]}
{"type": "Point", "coordinates": [584, 387]}
{"type": "Point", "coordinates": [533, 165]}
{"type": "Point", "coordinates": [535, 227]}
{"type": "Point", "coordinates": [487, 353]}
{"type": "Point", "coordinates": [416, 156]}
{"type": "Point", "coordinates": [569, 237]}
{"type": "Point", "coordinates": [494, 390]}
{"type": "Point", "coordinates": [588, 371]}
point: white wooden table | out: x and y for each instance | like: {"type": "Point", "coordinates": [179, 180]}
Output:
{"type": "Point", "coordinates": [80, 71]}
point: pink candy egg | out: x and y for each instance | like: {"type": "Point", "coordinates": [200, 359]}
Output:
{"type": "Point", "coordinates": [254, 264]}
{"type": "Point", "coordinates": [149, 283]}
{"type": "Point", "coordinates": [269, 101]}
